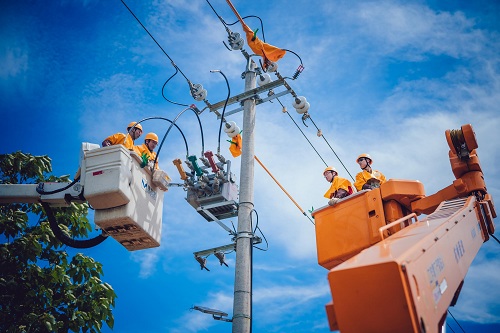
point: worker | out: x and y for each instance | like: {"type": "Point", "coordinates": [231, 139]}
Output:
{"type": "Point", "coordinates": [368, 178]}
{"type": "Point", "coordinates": [339, 188]}
{"type": "Point", "coordinates": [134, 131]}
{"type": "Point", "coordinates": [146, 150]}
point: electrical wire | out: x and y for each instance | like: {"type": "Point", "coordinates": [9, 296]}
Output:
{"type": "Point", "coordinates": [455, 320]}
{"type": "Point", "coordinates": [258, 228]}
{"type": "Point", "coordinates": [150, 35]}
{"type": "Point", "coordinates": [285, 111]}
{"type": "Point", "coordinates": [172, 123]}
{"type": "Point", "coordinates": [177, 69]}
{"type": "Point", "coordinates": [163, 90]}
{"type": "Point", "coordinates": [222, 120]}
{"type": "Point", "coordinates": [495, 238]}
{"type": "Point", "coordinates": [450, 328]}
{"type": "Point", "coordinates": [307, 116]}
{"type": "Point", "coordinates": [225, 24]}
{"type": "Point", "coordinates": [300, 67]}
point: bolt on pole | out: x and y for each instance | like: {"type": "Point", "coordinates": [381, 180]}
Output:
{"type": "Point", "coordinates": [242, 306]}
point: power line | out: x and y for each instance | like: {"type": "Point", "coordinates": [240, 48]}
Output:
{"type": "Point", "coordinates": [285, 111]}
{"type": "Point", "coordinates": [455, 320]}
{"type": "Point", "coordinates": [150, 35]}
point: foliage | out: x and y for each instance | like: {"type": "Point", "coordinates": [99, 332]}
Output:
{"type": "Point", "coordinates": [43, 289]}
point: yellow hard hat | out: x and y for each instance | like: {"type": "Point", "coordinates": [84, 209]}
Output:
{"type": "Point", "coordinates": [136, 126]}
{"type": "Point", "coordinates": [151, 136]}
{"type": "Point", "coordinates": [330, 168]}
{"type": "Point", "coordinates": [365, 156]}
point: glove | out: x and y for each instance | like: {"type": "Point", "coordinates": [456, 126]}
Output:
{"type": "Point", "coordinates": [333, 201]}
{"type": "Point", "coordinates": [373, 183]}
{"type": "Point", "coordinates": [144, 160]}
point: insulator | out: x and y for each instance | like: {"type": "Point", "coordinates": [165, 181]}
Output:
{"type": "Point", "coordinates": [190, 166]}
{"type": "Point", "coordinates": [194, 165]}
{"type": "Point", "coordinates": [264, 79]}
{"type": "Point", "coordinates": [196, 88]}
{"type": "Point", "coordinates": [210, 159]}
{"type": "Point", "coordinates": [230, 126]}
{"type": "Point", "coordinates": [198, 92]}
{"type": "Point", "coordinates": [177, 162]}
{"type": "Point", "coordinates": [216, 184]}
{"type": "Point", "coordinates": [221, 158]}
{"type": "Point", "coordinates": [304, 108]}
{"type": "Point", "coordinates": [220, 175]}
{"type": "Point", "coordinates": [234, 133]}
{"type": "Point", "coordinates": [205, 162]}
{"type": "Point", "coordinates": [221, 257]}
{"type": "Point", "coordinates": [202, 262]}
{"type": "Point", "coordinates": [299, 102]}
{"type": "Point", "coordinates": [231, 129]}
{"type": "Point", "coordinates": [297, 72]}
{"type": "Point", "coordinates": [202, 96]}
{"type": "Point", "coordinates": [235, 41]}
{"type": "Point", "coordinates": [271, 66]}
{"type": "Point", "coordinates": [205, 187]}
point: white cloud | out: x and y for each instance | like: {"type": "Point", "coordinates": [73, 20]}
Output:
{"type": "Point", "coordinates": [147, 260]}
{"type": "Point", "coordinates": [414, 30]}
{"type": "Point", "coordinates": [194, 321]}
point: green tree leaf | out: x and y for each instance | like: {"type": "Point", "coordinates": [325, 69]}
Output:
{"type": "Point", "coordinates": [44, 290]}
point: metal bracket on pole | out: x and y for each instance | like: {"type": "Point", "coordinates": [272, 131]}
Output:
{"type": "Point", "coordinates": [216, 314]}
{"type": "Point", "coordinates": [224, 248]}
{"type": "Point", "coordinates": [206, 211]}
{"type": "Point", "coordinates": [214, 250]}
{"type": "Point", "coordinates": [248, 94]}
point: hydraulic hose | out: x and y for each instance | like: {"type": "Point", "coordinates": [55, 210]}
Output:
{"type": "Point", "coordinates": [61, 236]}
{"type": "Point", "coordinates": [41, 191]}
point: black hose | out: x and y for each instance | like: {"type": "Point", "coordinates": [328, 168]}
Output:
{"type": "Point", "coordinates": [172, 123]}
{"type": "Point", "coordinates": [63, 238]}
{"type": "Point", "coordinates": [40, 190]}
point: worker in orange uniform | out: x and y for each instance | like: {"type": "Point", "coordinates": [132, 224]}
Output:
{"type": "Point", "coordinates": [134, 131]}
{"type": "Point", "coordinates": [146, 150]}
{"type": "Point", "coordinates": [368, 178]}
{"type": "Point", "coordinates": [339, 188]}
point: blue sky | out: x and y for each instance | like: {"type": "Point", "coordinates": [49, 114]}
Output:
{"type": "Point", "coordinates": [384, 77]}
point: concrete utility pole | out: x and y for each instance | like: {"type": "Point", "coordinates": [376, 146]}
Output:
{"type": "Point", "coordinates": [242, 306]}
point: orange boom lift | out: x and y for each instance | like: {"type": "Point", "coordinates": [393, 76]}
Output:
{"type": "Point", "coordinates": [396, 272]}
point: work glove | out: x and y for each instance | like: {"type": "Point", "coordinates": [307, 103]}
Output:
{"type": "Point", "coordinates": [145, 160]}
{"type": "Point", "coordinates": [333, 201]}
{"type": "Point", "coordinates": [373, 183]}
